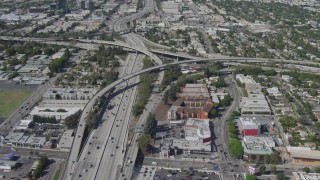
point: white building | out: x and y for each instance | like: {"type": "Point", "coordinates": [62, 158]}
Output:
{"type": "Point", "coordinates": [23, 124]}
{"type": "Point", "coordinates": [254, 104]}
{"type": "Point", "coordinates": [60, 113]}
{"type": "Point", "coordinates": [251, 86]}
{"type": "Point", "coordinates": [286, 78]}
{"type": "Point", "coordinates": [274, 91]}
{"type": "Point", "coordinates": [197, 130]}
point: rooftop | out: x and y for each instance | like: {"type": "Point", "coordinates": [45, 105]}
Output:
{"type": "Point", "coordinates": [191, 145]}
{"type": "Point", "coordinates": [66, 139]}
{"type": "Point", "coordinates": [306, 176]}
{"type": "Point", "coordinates": [196, 129]}
{"type": "Point", "coordinates": [302, 152]}
{"type": "Point", "coordinates": [195, 90]}
{"type": "Point", "coordinates": [258, 145]}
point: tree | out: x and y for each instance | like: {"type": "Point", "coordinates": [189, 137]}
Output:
{"type": "Point", "coordinates": [151, 124]}
{"type": "Point", "coordinates": [306, 169]}
{"type": "Point", "coordinates": [226, 100]}
{"type": "Point", "coordinates": [137, 109]}
{"type": "Point", "coordinates": [236, 149]}
{"type": "Point", "coordinates": [281, 176]}
{"type": "Point", "coordinates": [273, 169]}
{"type": "Point", "coordinates": [313, 92]}
{"type": "Point", "coordinates": [251, 177]}
{"type": "Point", "coordinates": [72, 120]}
{"type": "Point", "coordinates": [220, 82]}
{"type": "Point", "coordinates": [275, 158]}
{"type": "Point", "coordinates": [266, 159]}
{"type": "Point", "coordinates": [317, 170]}
{"type": "Point", "coordinates": [213, 112]}
{"type": "Point", "coordinates": [262, 169]}
{"type": "Point", "coordinates": [143, 142]}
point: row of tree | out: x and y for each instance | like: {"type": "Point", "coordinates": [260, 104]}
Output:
{"type": "Point", "coordinates": [182, 80]}
{"type": "Point", "coordinates": [148, 133]}
{"type": "Point", "coordinates": [171, 74]}
{"type": "Point", "coordinates": [43, 163]}
{"type": "Point", "coordinates": [44, 119]}
{"type": "Point", "coordinates": [144, 88]}
{"type": "Point", "coordinates": [235, 146]}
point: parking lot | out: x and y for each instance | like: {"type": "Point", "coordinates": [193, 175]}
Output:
{"type": "Point", "coordinates": [21, 171]}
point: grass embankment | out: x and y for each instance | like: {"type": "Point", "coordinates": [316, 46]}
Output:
{"type": "Point", "coordinates": [11, 100]}
{"type": "Point", "coordinates": [59, 173]}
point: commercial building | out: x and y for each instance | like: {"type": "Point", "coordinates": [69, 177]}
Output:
{"type": "Point", "coordinates": [42, 9]}
{"type": "Point", "coordinates": [7, 164]}
{"type": "Point", "coordinates": [195, 90]}
{"type": "Point", "coordinates": [195, 103]}
{"type": "Point", "coordinates": [248, 127]}
{"type": "Point", "coordinates": [264, 122]}
{"type": "Point", "coordinates": [23, 124]}
{"type": "Point", "coordinates": [305, 176]}
{"type": "Point", "coordinates": [254, 104]}
{"type": "Point", "coordinates": [60, 113]}
{"type": "Point", "coordinates": [171, 7]}
{"type": "Point", "coordinates": [274, 91]}
{"type": "Point", "coordinates": [66, 140]}
{"type": "Point", "coordinates": [194, 112]}
{"type": "Point", "coordinates": [69, 94]}
{"type": "Point", "coordinates": [255, 148]}
{"type": "Point", "coordinates": [20, 139]}
{"type": "Point", "coordinates": [197, 130]}
{"type": "Point", "coordinates": [85, 4]}
{"type": "Point", "coordinates": [191, 147]}
{"type": "Point", "coordinates": [63, 5]}
{"type": "Point", "coordinates": [197, 137]}
{"type": "Point", "coordinates": [251, 86]}
{"type": "Point", "coordinates": [304, 156]}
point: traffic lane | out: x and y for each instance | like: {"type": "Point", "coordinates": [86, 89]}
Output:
{"type": "Point", "coordinates": [182, 163]}
{"type": "Point", "coordinates": [113, 153]}
{"type": "Point", "coordinates": [27, 152]}
{"type": "Point", "coordinates": [92, 172]}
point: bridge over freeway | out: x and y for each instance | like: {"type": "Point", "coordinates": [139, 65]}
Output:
{"type": "Point", "coordinates": [73, 157]}
{"type": "Point", "coordinates": [89, 44]}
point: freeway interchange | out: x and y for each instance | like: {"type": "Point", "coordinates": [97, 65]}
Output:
{"type": "Point", "coordinates": [92, 162]}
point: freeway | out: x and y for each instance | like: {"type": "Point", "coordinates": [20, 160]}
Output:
{"type": "Point", "coordinates": [108, 137]}
{"type": "Point", "coordinates": [87, 44]}
{"type": "Point", "coordinates": [113, 158]}
{"type": "Point", "coordinates": [76, 144]}
{"type": "Point", "coordinates": [132, 151]}
{"type": "Point", "coordinates": [120, 24]}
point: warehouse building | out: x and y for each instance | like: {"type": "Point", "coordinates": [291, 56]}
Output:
{"type": "Point", "coordinates": [254, 104]}
{"type": "Point", "coordinates": [248, 127]}
{"type": "Point", "coordinates": [304, 156]}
